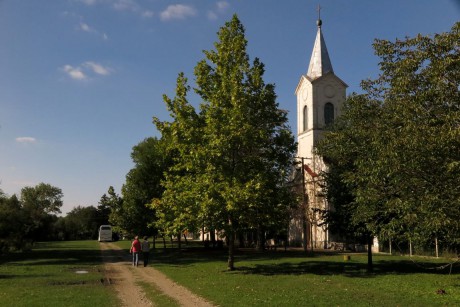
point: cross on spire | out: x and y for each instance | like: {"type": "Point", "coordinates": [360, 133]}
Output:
{"type": "Point", "coordinates": [319, 22]}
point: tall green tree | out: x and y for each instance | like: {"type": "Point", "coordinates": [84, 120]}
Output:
{"type": "Point", "coordinates": [400, 141]}
{"type": "Point", "coordinates": [41, 204]}
{"type": "Point", "coordinates": [81, 223]}
{"type": "Point", "coordinates": [117, 213]}
{"type": "Point", "coordinates": [234, 155]}
{"type": "Point", "coordinates": [12, 221]}
{"type": "Point", "coordinates": [143, 184]}
{"type": "Point", "coordinates": [178, 210]}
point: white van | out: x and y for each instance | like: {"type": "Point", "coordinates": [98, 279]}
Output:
{"type": "Point", "coordinates": [105, 233]}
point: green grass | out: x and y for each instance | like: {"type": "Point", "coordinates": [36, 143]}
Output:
{"type": "Point", "coordinates": [292, 279]}
{"type": "Point", "coordinates": [46, 276]}
{"type": "Point", "coordinates": [158, 298]}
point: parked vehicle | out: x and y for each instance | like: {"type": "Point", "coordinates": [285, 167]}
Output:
{"type": "Point", "coordinates": [105, 233]}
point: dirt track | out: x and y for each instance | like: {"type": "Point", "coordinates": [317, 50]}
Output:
{"type": "Point", "coordinates": [120, 273]}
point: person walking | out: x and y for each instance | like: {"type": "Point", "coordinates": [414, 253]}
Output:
{"type": "Point", "coordinates": [135, 249]}
{"type": "Point", "coordinates": [145, 246]}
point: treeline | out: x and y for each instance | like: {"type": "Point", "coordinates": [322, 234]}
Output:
{"type": "Point", "coordinates": [33, 217]}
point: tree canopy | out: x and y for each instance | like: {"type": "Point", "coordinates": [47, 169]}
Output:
{"type": "Point", "coordinates": [396, 147]}
{"type": "Point", "coordinates": [231, 158]}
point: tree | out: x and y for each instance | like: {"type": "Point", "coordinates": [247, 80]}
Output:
{"type": "Point", "coordinates": [81, 223]}
{"type": "Point", "coordinates": [12, 220]}
{"type": "Point", "coordinates": [41, 204]}
{"type": "Point", "coordinates": [143, 184]}
{"type": "Point", "coordinates": [233, 157]}
{"type": "Point", "coordinates": [400, 141]}
{"type": "Point", "coordinates": [117, 212]}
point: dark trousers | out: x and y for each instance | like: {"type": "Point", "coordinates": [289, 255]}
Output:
{"type": "Point", "coordinates": [145, 256]}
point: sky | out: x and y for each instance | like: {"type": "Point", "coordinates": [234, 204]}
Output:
{"type": "Point", "coordinates": [80, 80]}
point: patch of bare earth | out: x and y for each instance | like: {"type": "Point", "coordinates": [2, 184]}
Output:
{"type": "Point", "coordinates": [120, 273]}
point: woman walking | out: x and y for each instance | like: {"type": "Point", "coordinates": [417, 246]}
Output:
{"type": "Point", "coordinates": [135, 249]}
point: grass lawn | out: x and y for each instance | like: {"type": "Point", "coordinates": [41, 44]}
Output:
{"type": "Point", "coordinates": [279, 278]}
{"type": "Point", "coordinates": [47, 276]}
{"type": "Point", "coordinates": [54, 274]}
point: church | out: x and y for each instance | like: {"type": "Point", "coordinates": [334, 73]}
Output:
{"type": "Point", "coordinates": [320, 96]}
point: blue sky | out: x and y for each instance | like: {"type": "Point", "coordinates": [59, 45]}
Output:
{"type": "Point", "coordinates": [80, 80]}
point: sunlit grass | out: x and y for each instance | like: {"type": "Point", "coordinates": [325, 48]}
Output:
{"type": "Point", "coordinates": [55, 274]}
{"type": "Point", "coordinates": [324, 279]}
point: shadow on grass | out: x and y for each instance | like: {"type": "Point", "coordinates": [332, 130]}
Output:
{"type": "Point", "coordinates": [52, 257]}
{"type": "Point", "coordinates": [348, 269]}
{"type": "Point", "coordinates": [297, 263]}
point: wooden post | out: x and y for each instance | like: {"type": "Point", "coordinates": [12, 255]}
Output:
{"type": "Point", "coordinates": [390, 248]}
{"type": "Point", "coordinates": [436, 246]}
{"type": "Point", "coordinates": [410, 247]}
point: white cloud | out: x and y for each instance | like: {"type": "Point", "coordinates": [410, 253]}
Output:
{"type": "Point", "coordinates": [86, 69]}
{"type": "Point", "coordinates": [222, 5]}
{"type": "Point", "coordinates": [74, 72]}
{"type": "Point", "coordinates": [126, 5]}
{"type": "Point", "coordinates": [85, 27]}
{"type": "Point", "coordinates": [25, 139]}
{"type": "Point", "coordinates": [212, 15]}
{"type": "Point", "coordinates": [88, 2]}
{"type": "Point", "coordinates": [177, 11]}
{"type": "Point", "coordinates": [147, 14]}
{"type": "Point", "coordinates": [98, 68]}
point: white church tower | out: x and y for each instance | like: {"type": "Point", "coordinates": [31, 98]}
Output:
{"type": "Point", "coordinates": [320, 96]}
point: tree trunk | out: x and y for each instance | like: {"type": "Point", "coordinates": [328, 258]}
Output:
{"type": "Point", "coordinates": [370, 267]}
{"type": "Point", "coordinates": [231, 246]}
{"type": "Point", "coordinates": [231, 252]}
{"type": "Point", "coordinates": [179, 241]}
{"type": "Point", "coordinates": [241, 240]}
{"type": "Point", "coordinates": [164, 243]}
{"type": "Point", "coordinates": [212, 234]}
{"type": "Point", "coordinates": [260, 239]}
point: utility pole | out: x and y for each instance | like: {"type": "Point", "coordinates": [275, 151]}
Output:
{"type": "Point", "coordinates": [305, 208]}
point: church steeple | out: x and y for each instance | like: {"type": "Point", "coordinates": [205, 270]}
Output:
{"type": "Point", "coordinates": [320, 63]}
{"type": "Point", "coordinates": [320, 96]}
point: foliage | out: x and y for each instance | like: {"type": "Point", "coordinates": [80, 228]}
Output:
{"type": "Point", "coordinates": [396, 147]}
{"type": "Point", "coordinates": [40, 205]}
{"type": "Point", "coordinates": [12, 221]}
{"type": "Point", "coordinates": [143, 183]}
{"type": "Point", "coordinates": [231, 158]}
{"type": "Point", "coordinates": [81, 223]}
{"type": "Point", "coordinates": [117, 212]}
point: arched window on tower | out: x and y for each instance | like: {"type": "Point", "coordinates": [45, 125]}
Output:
{"type": "Point", "coordinates": [305, 118]}
{"type": "Point", "coordinates": [328, 113]}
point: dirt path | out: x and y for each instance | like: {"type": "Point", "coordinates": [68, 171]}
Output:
{"type": "Point", "coordinates": [123, 277]}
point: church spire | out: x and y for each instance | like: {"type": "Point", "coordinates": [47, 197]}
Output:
{"type": "Point", "coordinates": [320, 63]}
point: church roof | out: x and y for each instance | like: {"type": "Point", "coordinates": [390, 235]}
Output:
{"type": "Point", "coordinates": [320, 63]}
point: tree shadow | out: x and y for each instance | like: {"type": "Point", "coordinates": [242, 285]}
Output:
{"type": "Point", "coordinates": [319, 263]}
{"type": "Point", "coordinates": [348, 269]}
